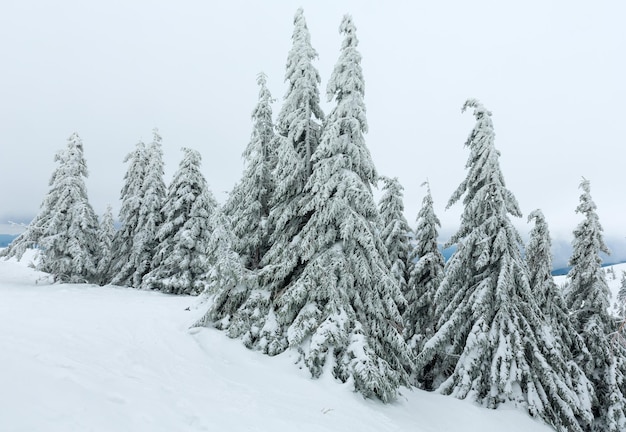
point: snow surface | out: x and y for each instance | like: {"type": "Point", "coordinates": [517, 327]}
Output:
{"type": "Point", "coordinates": [89, 358]}
{"type": "Point", "coordinates": [614, 283]}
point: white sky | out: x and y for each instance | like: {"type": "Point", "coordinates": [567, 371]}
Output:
{"type": "Point", "coordinates": [552, 73]}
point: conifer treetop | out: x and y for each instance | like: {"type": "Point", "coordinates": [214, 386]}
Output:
{"type": "Point", "coordinates": [484, 184]}
{"type": "Point", "coordinates": [302, 98]}
{"type": "Point", "coordinates": [588, 293]}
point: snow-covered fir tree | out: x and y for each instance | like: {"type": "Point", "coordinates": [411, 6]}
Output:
{"type": "Point", "coordinates": [144, 192]}
{"type": "Point", "coordinates": [228, 283]}
{"type": "Point", "coordinates": [122, 266]}
{"type": "Point", "coordinates": [491, 343]}
{"type": "Point", "coordinates": [620, 334]}
{"type": "Point", "coordinates": [426, 265]}
{"type": "Point", "coordinates": [550, 299]}
{"type": "Point", "coordinates": [395, 230]}
{"type": "Point", "coordinates": [547, 294]}
{"type": "Point", "coordinates": [248, 204]}
{"type": "Point", "coordinates": [338, 302]}
{"type": "Point", "coordinates": [66, 228]}
{"type": "Point", "coordinates": [239, 305]}
{"type": "Point", "coordinates": [182, 261]}
{"type": "Point", "coordinates": [620, 303]}
{"type": "Point", "coordinates": [106, 233]}
{"type": "Point", "coordinates": [298, 128]}
{"type": "Point", "coordinates": [153, 193]}
{"type": "Point", "coordinates": [587, 297]}
{"type": "Point", "coordinates": [539, 260]}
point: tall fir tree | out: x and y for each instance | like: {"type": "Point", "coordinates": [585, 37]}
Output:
{"type": "Point", "coordinates": [298, 132]}
{"type": "Point", "coordinates": [153, 193]}
{"type": "Point", "coordinates": [491, 343]}
{"type": "Point", "coordinates": [547, 294]}
{"type": "Point", "coordinates": [395, 231]}
{"type": "Point", "coordinates": [122, 264]}
{"type": "Point", "coordinates": [298, 127]}
{"type": "Point", "coordinates": [228, 282]}
{"type": "Point", "coordinates": [587, 297]}
{"type": "Point", "coordinates": [66, 227]}
{"type": "Point", "coordinates": [182, 262]}
{"type": "Point", "coordinates": [106, 234]}
{"type": "Point", "coordinates": [620, 304]}
{"type": "Point", "coordinates": [339, 310]}
{"type": "Point", "coordinates": [426, 266]}
{"type": "Point", "coordinates": [248, 204]}
{"type": "Point", "coordinates": [240, 306]}
{"type": "Point", "coordinates": [551, 301]}
{"type": "Point", "coordinates": [619, 337]}
{"type": "Point", "coordinates": [142, 198]}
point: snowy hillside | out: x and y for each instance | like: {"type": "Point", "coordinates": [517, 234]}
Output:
{"type": "Point", "coordinates": [82, 357]}
{"type": "Point", "coordinates": [613, 282]}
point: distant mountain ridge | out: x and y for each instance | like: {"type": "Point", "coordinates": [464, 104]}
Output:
{"type": "Point", "coordinates": [6, 239]}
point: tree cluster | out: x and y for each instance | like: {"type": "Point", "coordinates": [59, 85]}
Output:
{"type": "Point", "coordinates": [302, 258]}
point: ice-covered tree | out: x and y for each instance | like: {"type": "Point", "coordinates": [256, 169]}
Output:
{"type": "Point", "coordinates": [66, 228]}
{"type": "Point", "coordinates": [248, 204]}
{"type": "Point", "coordinates": [122, 264]}
{"type": "Point", "coordinates": [182, 261]}
{"type": "Point", "coordinates": [106, 233]}
{"type": "Point", "coordinates": [36, 229]}
{"type": "Point", "coordinates": [153, 193]}
{"type": "Point", "coordinates": [587, 297]}
{"type": "Point", "coordinates": [491, 343]}
{"type": "Point", "coordinates": [550, 299]}
{"type": "Point", "coordinates": [249, 314]}
{"type": "Point", "coordinates": [620, 304]}
{"type": "Point", "coordinates": [228, 282]}
{"type": "Point", "coordinates": [426, 265]}
{"type": "Point", "coordinates": [144, 193]}
{"type": "Point", "coordinates": [539, 260]}
{"type": "Point", "coordinates": [298, 127]}
{"type": "Point", "coordinates": [620, 308]}
{"type": "Point", "coordinates": [298, 121]}
{"type": "Point", "coordinates": [337, 304]}
{"type": "Point", "coordinates": [394, 229]}
{"type": "Point", "coordinates": [547, 294]}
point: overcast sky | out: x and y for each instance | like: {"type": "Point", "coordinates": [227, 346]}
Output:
{"type": "Point", "coordinates": [552, 72]}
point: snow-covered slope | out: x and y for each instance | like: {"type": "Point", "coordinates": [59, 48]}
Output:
{"type": "Point", "coordinates": [88, 358]}
{"type": "Point", "coordinates": [613, 278]}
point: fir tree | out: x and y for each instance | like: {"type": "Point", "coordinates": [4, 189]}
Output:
{"type": "Point", "coordinates": [298, 135]}
{"type": "Point", "coordinates": [239, 306]}
{"type": "Point", "coordinates": [588, 300]}
{"type": "Point", "coordinates": [248, 312]}
{"type": "Point", "coordinates": [395, 230]}
{"type": "Point", "coordinates": [228, 282]}
{"type": "Point", "coordinates": [620, 334]}
{"type": "Point", "coordinates": [339, 310]}
{"type": "Point", "coordinates": [491, 343]}
{"type": "Point", "coordinates": [152, 197]}
{"type": "Point", "coordinates": [106, 233]}
{"type": "Point", "coordinates": [66, 227]}
{"type": "Point", "coordinates": [620, 305]}
{"type": "Point", "coordinates": [426, 265]}
{"type": "Point", "coordinates": [142, 199]}
{"type": "Point", "coordinates": [550, 299]}
{"type": "Point", "coordinates": [248, 204]}
{"type": "Point", "coordinates": [122, 265]}
{"type": "Point", "coordinates": [298, 120]}
{"type": "Point", "coordinates": [182, 260]}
